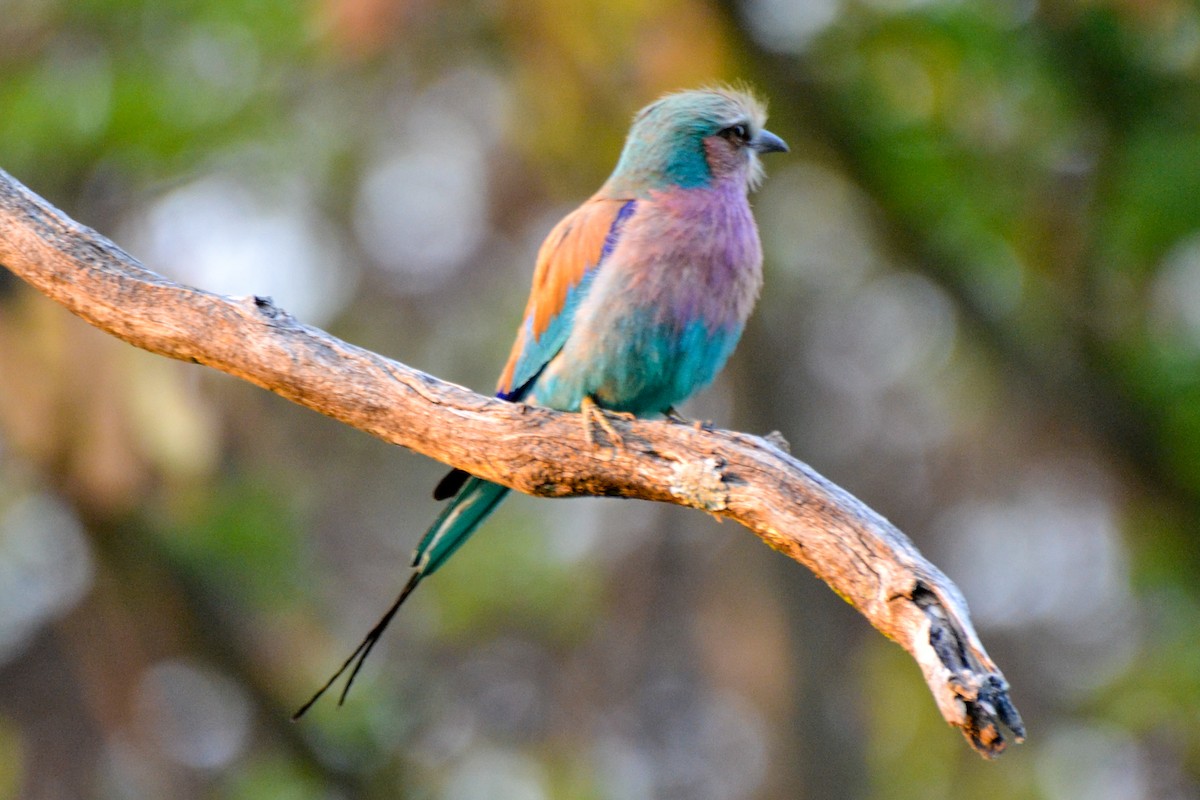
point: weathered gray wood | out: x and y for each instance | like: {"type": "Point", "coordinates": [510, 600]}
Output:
{"type": "Point", "coordinates": [859, 554]}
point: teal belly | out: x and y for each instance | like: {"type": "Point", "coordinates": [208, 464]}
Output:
{"type": "Point", "coordinates": [642, 369]}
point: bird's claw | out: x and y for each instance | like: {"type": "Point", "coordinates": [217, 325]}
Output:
{"type": "Point", "coordinates": [674, 416]}
{"type": "Point", "coordinates": [680, 419]}
{"type": "Point", "coordinates": [592, 412]}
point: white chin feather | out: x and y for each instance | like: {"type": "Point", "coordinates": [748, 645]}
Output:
{"type": "Point", "coordinates": [755, 172]}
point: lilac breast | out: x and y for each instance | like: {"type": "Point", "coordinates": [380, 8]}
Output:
{"type": "Point", "coordinates": [666, 309]}
{"type": "Point", "coordinates": [696, 257]}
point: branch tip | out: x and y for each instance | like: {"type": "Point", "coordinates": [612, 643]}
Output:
{"type": "Point", "coordinates": [978, 690]}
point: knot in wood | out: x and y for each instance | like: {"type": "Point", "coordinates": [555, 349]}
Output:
{"type": "Point", "coordinates": [700, 484]}
{"type": "Point", "coordinates": [266, 307]}
{"type": "Point", "coordinates": [776, 438]}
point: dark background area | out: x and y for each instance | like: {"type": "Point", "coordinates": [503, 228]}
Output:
{"type": "Point", "coordinates": [981, 316]}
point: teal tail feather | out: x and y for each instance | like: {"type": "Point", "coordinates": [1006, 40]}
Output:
{"type": "Point", "coordinates": [470, 507]}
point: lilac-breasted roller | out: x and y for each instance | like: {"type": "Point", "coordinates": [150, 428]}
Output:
{"type": "Point", "coordinates": [639, 295]}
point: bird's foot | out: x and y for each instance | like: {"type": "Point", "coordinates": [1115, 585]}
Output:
{"type": "Point", "coordinates": [680, 419]}
{"type": "Point", "coordinates": [592, 412]}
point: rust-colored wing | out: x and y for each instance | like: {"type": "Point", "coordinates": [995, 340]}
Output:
{"type": "Point", "coordinates": [566, 264]}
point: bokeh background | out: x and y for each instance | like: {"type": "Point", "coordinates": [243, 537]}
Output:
{"type": "Point", "coordinates": [981, 315]}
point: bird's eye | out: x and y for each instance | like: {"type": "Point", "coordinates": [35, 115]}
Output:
{"type": "Point", "coordinates": [738, 133]}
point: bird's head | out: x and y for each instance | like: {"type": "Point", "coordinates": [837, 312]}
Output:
{"type": "Point", "coordinates": [694, 139]}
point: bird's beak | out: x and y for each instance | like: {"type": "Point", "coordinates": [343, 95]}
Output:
{"type": "Point", "coordinates": [767, 142]}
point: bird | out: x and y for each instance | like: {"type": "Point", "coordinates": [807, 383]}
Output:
{"type": "Point", "coordinates": [638, 299]}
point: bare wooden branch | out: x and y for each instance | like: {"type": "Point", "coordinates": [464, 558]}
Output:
{"type": "Point", "coordinates": [858, 553]}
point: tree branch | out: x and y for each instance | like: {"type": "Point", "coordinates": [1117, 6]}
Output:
{"type": "Point", "coordinates": [864, 558]}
